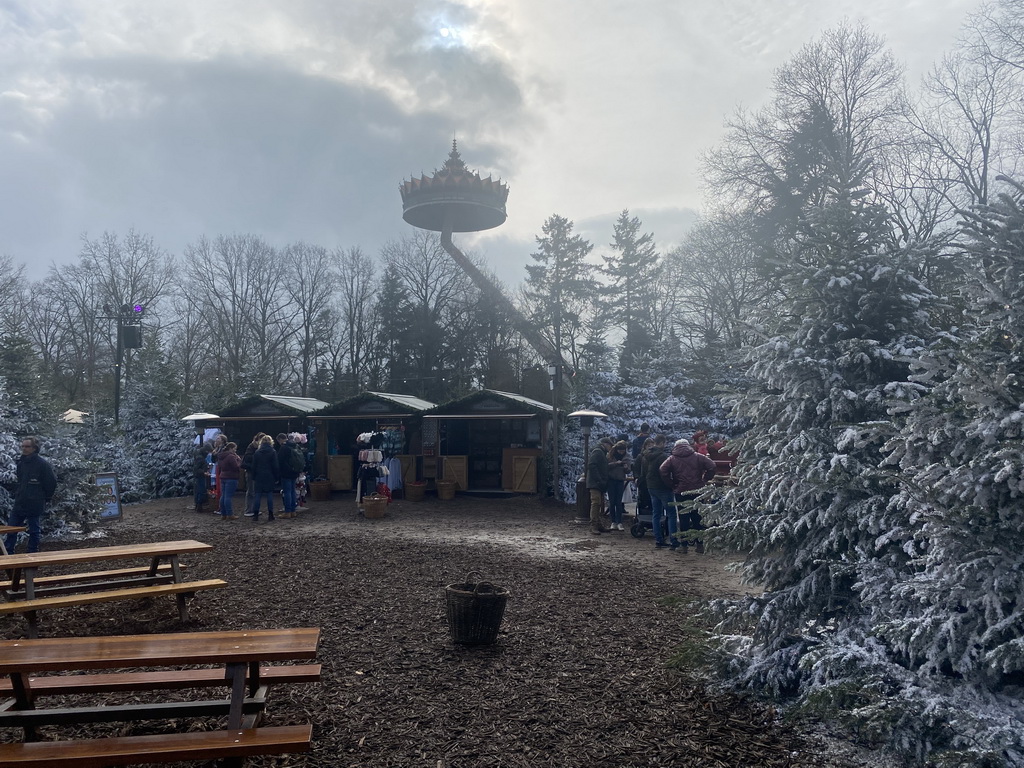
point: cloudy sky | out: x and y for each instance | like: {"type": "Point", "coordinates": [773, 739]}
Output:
{"type": "Point", "coordinates": [298, 119]}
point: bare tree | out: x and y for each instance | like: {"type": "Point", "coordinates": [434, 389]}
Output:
{"type": "Point", "coordinates": [309, 286]}
{"type": "Point", "coordinates": [238, 284]}
{"type": "Point", "coordinates": [353, 360]}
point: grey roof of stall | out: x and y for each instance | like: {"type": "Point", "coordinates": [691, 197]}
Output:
{"type": "Point", "coordinates": [523, 399]}
{"type": "Point", "coordinates": [413, 403]}
{"type": "Point", "coordinates": [304, 404]}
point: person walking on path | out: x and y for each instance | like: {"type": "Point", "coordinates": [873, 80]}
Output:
{"type": "Point", "coordinates": [229, 469]}
{"type": "Point", "coordinates": [597, 484]}
{"type": "Point", "coordinates": [36, 486]}
{"type": "Point", "coordinates": [661, 494]}
{"type": "Point", "coordinates": [265, 474]}
{"type": "Point", "coordinates": [685, 472]}
{"type": "Point", "coordinates": [618, 467]}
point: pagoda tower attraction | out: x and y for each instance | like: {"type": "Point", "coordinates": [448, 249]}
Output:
{"type": "Point", "coordinates": [456, 199]}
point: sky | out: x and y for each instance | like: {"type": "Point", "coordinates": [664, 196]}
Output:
{"type": "Point", "coordinates": [297, 120]}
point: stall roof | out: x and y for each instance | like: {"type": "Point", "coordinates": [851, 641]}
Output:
{"type": "Point", "coordinates": [491, 404]}
{"type": "Point", "coordinates": [370, 404]}
{"type": "Point", "coordinates": [264, 405]}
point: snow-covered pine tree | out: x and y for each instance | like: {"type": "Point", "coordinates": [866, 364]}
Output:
{"type": "Point", "coordinates": [955, 621]}
{"type": "Point", "coordinates": [76, 504]}
{"type": "Point", "coordinates": [811, 506]}
{"type": "Point", "coordinates": [157, 445]}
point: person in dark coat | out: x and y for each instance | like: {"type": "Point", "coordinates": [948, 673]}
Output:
{"type": "Point", "coordinates": [661, 494]}
{"type": "Point", "coordinates": [265, 474]}
{"type": "Point", "coordinates": [250, 451]}
{"type": "Point", "coordinates": [597, 484]}
{"type": "Point", "coordinates": [619, 465]}
{"type": "Point", "coordinates": [686, 471]}
{"type": "Point", "coordinates": [287, 453]}
{"type": "Point", "coordinates": [201, 476]}
{"type": "Point", "coordinates": [36, 486]}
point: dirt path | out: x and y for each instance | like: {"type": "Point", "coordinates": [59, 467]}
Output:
{"type": "Point", "coordinates": [583, 673]}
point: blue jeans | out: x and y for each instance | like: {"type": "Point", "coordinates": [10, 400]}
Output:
{"type": "Point", "coordinates": [660, 501]}
{"type": "Point", "coordinates": [200, 489]}
{"type": "Point", "coordinates": [258, 496]}
{"type": "Point", "coordinates": [34, 528]}
{"type": "Point", "coordinates": [227, 490]}
{"type": "Point", "coordinates": [615, 505]}
{"type": "Point", "coordinates": [288, 493]}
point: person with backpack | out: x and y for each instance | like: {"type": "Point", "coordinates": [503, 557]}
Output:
{"type": "Point", "coordinates": [291, 464]}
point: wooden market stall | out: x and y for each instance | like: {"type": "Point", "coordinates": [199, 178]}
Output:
{"type": "Point", "coordinates": [488, 440]}
{"type": "Point", "coordinates": [271, 414]}
{"type": "Point", "coordinates": [393, 416]}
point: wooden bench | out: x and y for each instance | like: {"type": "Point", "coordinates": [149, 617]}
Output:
{"type": "Point", "coordinates": [171, 680]}
{"type": "Point", "coordinates": [100, 580]}
{"type": "Point", "coordinates": [25, 587]}
{"type": "Point", "coordinates": [231, 746]}
{"type": "Point", "coordinates": [74, 664]}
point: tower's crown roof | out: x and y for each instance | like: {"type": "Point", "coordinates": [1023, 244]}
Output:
{"type": "Point", "coordinates": [470, 202]}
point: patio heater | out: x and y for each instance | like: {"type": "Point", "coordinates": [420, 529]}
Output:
{"type": "Point", "coordinates": [586, 422]}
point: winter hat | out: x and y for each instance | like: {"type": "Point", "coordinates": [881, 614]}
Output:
{"type": "Point", "coordinates": [681, 442]}
{"type": "Point", "coordinates": [606, 441]}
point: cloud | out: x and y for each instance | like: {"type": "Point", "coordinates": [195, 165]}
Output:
{"type": "Point", "coordinates": [179, 146]}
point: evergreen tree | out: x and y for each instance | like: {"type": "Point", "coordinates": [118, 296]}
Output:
{"type": "Point", "coordinates": [811, 508]}
{"type": "Point", "coordinates": [953, 622]}
{"type": "Point", "coordinates": [633, 271]}
{"type": "Point", "coordinates": [559, 285]}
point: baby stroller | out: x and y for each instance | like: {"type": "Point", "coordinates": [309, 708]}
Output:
{"type": "Point", "coordinates": [642, 523]}
{"type": "Point", "coordinates": [642, 520]}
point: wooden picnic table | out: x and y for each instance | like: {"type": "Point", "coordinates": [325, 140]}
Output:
{"type": "Point", "coordinates": [26, 588]}
{"type": "Point", "coordinates": [72, 663]}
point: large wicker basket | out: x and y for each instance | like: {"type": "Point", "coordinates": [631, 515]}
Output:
{"type": "Point", "coordinates": [445, 489]}
{"type": "Point", "coordinates": [374, 506]}
{"type": "Point", "coordinates": [475, 610]}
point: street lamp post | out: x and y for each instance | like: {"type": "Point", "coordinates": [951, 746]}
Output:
{"type": "Point", "coordinates": [555, 376]}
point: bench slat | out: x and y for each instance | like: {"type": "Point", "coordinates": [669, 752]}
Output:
{"type": "Point", "coordinates": [116, 713]}
{"type": "Point", "coordinates": [53, 685]}
{"type": "Point", "coordinates": [162, 748]}
{"type": "Point", "coordinates": [24, 606]}
{"type": "Point", "coordinates": [118, 573]}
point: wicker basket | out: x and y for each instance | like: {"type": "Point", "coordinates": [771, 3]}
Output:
{"type": "Point", "coordinates": [475, 609]}
{"type": "Point", "coordinates": [414, 491]}
{"type": "Point", "coordinates": [320, 490]}
{"type": "Point", "coordinates": [374, 506]}
{"type": "Point", "coordinates": [446, 489]}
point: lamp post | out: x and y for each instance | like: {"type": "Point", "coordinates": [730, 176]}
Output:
{"type": "Point", "coordinates": [554, 375]}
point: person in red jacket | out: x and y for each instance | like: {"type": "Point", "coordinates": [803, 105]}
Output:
{"type": "Point", "coordinates": [685, 471]}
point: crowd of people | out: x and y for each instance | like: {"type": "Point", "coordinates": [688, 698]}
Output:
{"type": "Point", "coordinates": [667, 481]}
{"type": "Point", "coordinates": [269, 466]}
